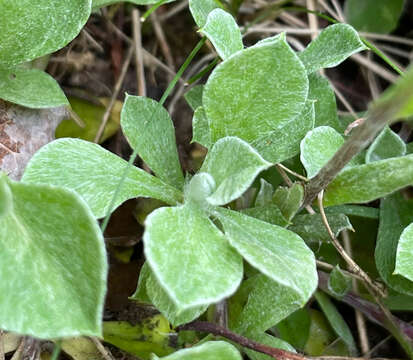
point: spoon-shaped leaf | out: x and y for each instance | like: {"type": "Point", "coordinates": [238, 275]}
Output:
{"type": "Point", "coordinates": [94, 173]}
{"type": "Point", "coordinates": [190, 257]}
{"type": "Point", "coordinates": [53, 264]}
{"type": "Point", "coordinates": [30, 29]}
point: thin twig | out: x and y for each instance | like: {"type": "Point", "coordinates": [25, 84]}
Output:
{"type": "Point", "coordinates": [75, 117]}
{"type": "Point", "coordinates": [297, 175]}
{"type": "Point", "coordinates": [343, 100]}
{"type": "Point", "coordinates": [160, 35]}
{"type": "Point", "coordinates": [312, 18]}
{"type": "Point", "coordinates": [328, 267]}
{"type": "Point", "coordinates": [174, 10]}
{"type": "Point", "coordinates": [339, 11]}
{"type": "Point", "coordinates": [375, 290]}
{"type": "Point", "coordinates": [115, 94]}
{"type": "Point", "coordinates": [360, 321]}
{"type": "Point", "coordinates": [214, 329]}
{"type": "Point", "coordinates": [104, 351]}
{"type": "Point", "coordinates": [137, 38]}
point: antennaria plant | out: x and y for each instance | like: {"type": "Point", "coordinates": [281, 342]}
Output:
{"type": "Point", "coordinates": [261, 106]}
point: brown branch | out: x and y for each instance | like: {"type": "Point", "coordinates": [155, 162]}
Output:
{"type": "Point", "coordinates": [214, 329]}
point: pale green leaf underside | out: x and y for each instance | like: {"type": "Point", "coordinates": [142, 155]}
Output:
{"type": "Point", "coordinates": [149, 129]}
{"type": "Point", "coordinates": [325, 106]}
{"type": "Point", "coordinates": [211, 350]}
{"type": "Point", "coordinates": [255, 93]}
{"type": "Point", "coordinates": [30, 29]}
{"type": "Point", "coordinates": [386, 145]}
{"type": "Point", "coordinates": [162, 302]}
{"type": "Point", "coordinates": [190, 257]}
{"type": "Point", "coordinates": [199, 188]}
{"type": "Point", "coordinates": [223, 32]}
{"type": "Point", "coordinates": [365, 183]}
{"type": "Point", "coordinates": [101, 3]}
{"type": "Point", "coordinates": [46, 293]}
{"type": "Point", "coordinates": [268, 303]}
{"type": "Point", "coordinates": [6, 197]}
{"type": "Point", "coordinates": [289, 199]}
{"type": "Point", "coordinates": [404, 256]}
{"type": "Point", "coordinates": [201, 128]}
{"type": "Point", "coordinates": [234, 165]}
{"type": "Point", "coordinates": [396, 214]}
{"type": "Point", "coordinates": [318, 147]}
{"type": "Point", "coordinates": [265, 193]}
{"type": "Point", "coordinates": [200, 10]}
{"type": "Point", "coordinates": [30, 88]}
{"type": "Point", "coordinates": [336, 321]}
{"type": "Point", "coordinates": [273, 250]}
{"type": "Point", "coordinates": [94, 173]}
{"type": "Point", "coordinates": [378, 16]}
{"type": "Point", "coordinates": [334, 45]}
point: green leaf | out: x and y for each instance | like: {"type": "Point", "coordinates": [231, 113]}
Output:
{"type": "Point", "coordinates": [334, 45]}
{"type": "Point", "coordinates": [273, 250]}
{"type": "Point", "coordinates": [140, 294]}
{"type": "Point", "coordinates": [53, 295]}
{"type": "Point", "coordinates": [264, 195]}
{"type": "Point", "coordinates": [100, 3]}
{"type": "Point", "coordinates": [266, 339]}
{"type": "Point", "coordinates": [200, 128]}
{"type": "Point", "coordinates": [6, 197]}
{"type": "Point", "coordinates": [269, 213]}
{"type": "Point", "coordinates": [149, 128]}
{"type": "Point", "coordinates": [378, 16]}
{"type": "Point", "coordinates": [318, 147]}
{"type": "Point", "coordinates": [194, 96]}
{"type": "Point", "coordinates": [339, 283]}
{"type": "Point", "coordinates": [386, 145]}
{"type": "Point", "coordinates": [30, 29]}
{"type": "Point", "coordinates": [312, 229]}
{"type": "Point", "coordinates": [396, 214]}
{"type": "Point", "coordinates": [325, 107]}
{"type": "Point", "coordinates": [354, 210]}
{"type": "Point", "coordinates": [365, 183]}
{"type": "Point", "coordinates": [223, 32]}
{"type": "Point", "coordinates": [404, 255]}
{"type": "Point", "coordinates": [336, 320]}
{"type": "Point", "coordinates": [190, 257]}
{"type": "Point", "coordinates": [289, 200]}
{"type": "Point", "coordinates": [284, 143]}
{"type": "Point", "coordinates": [211, 350]}
{"type": "Point", "coordinates": [295, 329]}
{"type": "Point", "coordinates": [94, 173]}
{"type": "Point", "coordinates": [30, 88]}
{"type": "Point", "coordinates": [200, 10]}
{"type": "Point", "coordinates": [165, 305]}
{"type": "Point", "coordinates": [150, 335]}
{"type": "Point", "coordinates": [263, 87]}
{"type": "Point", "coordinates": [234, 165]}
{"type": "Point", "coordinates": [268, 303]}
{"type": "Point", "coordinates": [199, 188]}
{"type": "Point", "coordinates": [91, 114]}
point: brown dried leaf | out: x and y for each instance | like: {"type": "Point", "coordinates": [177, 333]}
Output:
{"type": "Point", "coordinates": [22, 132]}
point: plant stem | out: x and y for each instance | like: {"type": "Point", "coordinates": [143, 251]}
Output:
{"type": "Point", "coordinates": [214, 329]}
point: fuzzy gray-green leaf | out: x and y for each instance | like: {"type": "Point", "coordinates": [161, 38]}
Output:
{"type": "Point", "coordinates": [255, 93]}
{"type": "Point", "coordinates": [223, 32]}
{"type": "Point", "coordinates": [364, 183]}
{"type": "Point", "coordinates": [51, 294]}
{"type": "Point", "coordinates": [194, 97]}
{"type": "Point", "coordinates": [30, 29]}
{"type": "Point", "coordinates": [404, 256]}
{"type": "Point", "coordinates": [273, 250]}
{"type": "Point", "coordinates": [396, 214]}
{"type": "Point", "coordinates": [386, 145]}
{"type": "Point", "coordinates": [30, 88]}
{"type": "Point", "coordinates": [339, 283]}
{"type": "Point", "coordinates": [190, 257]}
{"type": "Point", "coordinates": [149, 129]}
{"type": "Point", "coordinates": [100, 3]}
{"type": "Point", "coordinates": [200, 10]}
{"type": "Point", "coordinates": [94, 173]}
{"type": "Point", "coordinates": [289, 200]}
{"type": "Point", "coordinates": [334, 45]}
{"type": "Point", "coordinates": [200, 128]}
{"type": "Point", "coordinates": [234, 165]}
